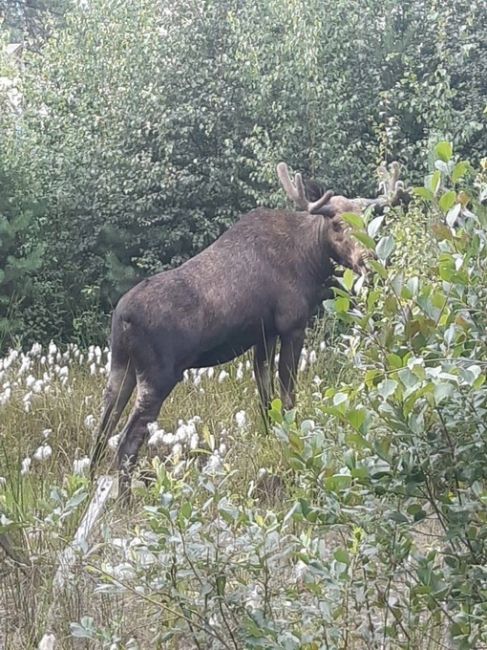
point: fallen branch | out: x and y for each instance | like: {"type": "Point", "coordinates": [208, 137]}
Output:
{"type": "Point", "coordinates": [68, 557]}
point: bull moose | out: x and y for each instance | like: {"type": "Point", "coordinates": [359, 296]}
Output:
{"type": "Point", "coordinates": [260, 281]}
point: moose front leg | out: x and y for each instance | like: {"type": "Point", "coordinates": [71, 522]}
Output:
{"type": "Point", "coordinates": [264, 354]}
{"type": "Point", "coordinates": [291, 346]}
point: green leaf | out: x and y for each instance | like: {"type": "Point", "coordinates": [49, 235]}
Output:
{"type": "Point", "coordinates": [459, 170]}
{"type": "Point", "coordinates": [444, 151]}
{"type": "Point", "coordinates": [378, 268]}
{"type": "Point", "coordinates": [341, 555]}
{"type": "Point", "coordinates": [374, 226]}
{"type": "Point", "coordinates": [353, 219]}
{"type": "Point", "coordinates": [447, 200]}
{"type": "Point", "coordinates": [385, 247]}
{"type": "Point", "coordinates": [398, 517]}
{"type": "Point", "coordinates": [433, 181]}
{"type": "Point", "coordinates": [387, 388]}
{"type": "Point", "coordinates": [348, 278]}
{"type": "Point", "coordinates": [442, 391]}
{"type": "Point", "coordinates": [342, 304]}
{"type": "Point", "coordinates": [364, 239]}
{"type": "Point", "coordinates": [453, 214]}
{"type": "Point", "coordinates": [424, 193]}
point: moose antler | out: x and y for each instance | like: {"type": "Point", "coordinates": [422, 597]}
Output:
{"type": "Point", "coordinates": [295, 191]}
{"type": "Point", "coordinates": [392, 189]}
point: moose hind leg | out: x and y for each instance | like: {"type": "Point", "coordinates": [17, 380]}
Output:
{"type": "Point", "coordinates": [121, 384]}
{"type": "Point", "coordinates": [150, 396]}
{"type": "Point", "coordinates": [291, 346]}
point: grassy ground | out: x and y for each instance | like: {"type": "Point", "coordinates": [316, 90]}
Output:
{"type": "Point", "coordinates": [50, 402]}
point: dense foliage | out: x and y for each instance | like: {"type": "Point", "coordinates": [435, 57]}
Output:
{"type": "Point", "coordinates": [147, 127]}
{"type": "Point", "coordinates": [359, 521]}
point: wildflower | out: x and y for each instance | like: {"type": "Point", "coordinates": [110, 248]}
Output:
{"type": "Point", "coordinates": [222, 376]}
{"type": "Point", "coordinates": [194, 441]}
{"type": "Point", "coordinates": [93, 369]}
{"type": "Point", "coordinates": [322, 345]}
{"type": "Point", "coordinates": [312, 357]}
{"type": "Point", "coordinates": [214, 464]}
{"type": "Point", "coordinates": [44, 452]}
{"type": "Point", "coordinates": [90, 421]}
{"type": "Point", "coordinates": [254, 599]}
{"type": "Point", "coordinates": [36, 349]}
{"type": "Point", "coordinates": [52, 349]}
{"type": "Point", "coordinates": [6, 395]}
{"type": "Point", "coordinates": [239, 374]}
{"type": "Point", "coordinates": [26, 466]}
{"type": "Point", "coordinates": [113, 441]}
{"type": "Point", "coordinates": [169, 439]}
{"type": "Point", "coordinates": [27, 399]}
{"type": "Point", "coordinates": [300, 570]}
{"type": "Point", "coordinates": [46, 433]}
{"type": "Point", "coordinates": [211, 372]}
{"type": "Point", "coordinates": [3, 481]}
{"type": "Point", "coordinates": [156, 437]}
{"type": "Point", "coordinates": [81, 465]}
{"type": "Point", "coordinates": [181, 433]}
{"type": "Point", "coordinates": [177, 452]}
{"type": "Point", "coordinates": [241, 419]}
{"type": "Point", "coordinates": [302, 365]}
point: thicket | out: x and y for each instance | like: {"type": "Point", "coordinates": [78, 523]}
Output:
{"type": "Point", "coordinates": [359, 520]}
{"type": "Point", "coordinates": [146, 128]}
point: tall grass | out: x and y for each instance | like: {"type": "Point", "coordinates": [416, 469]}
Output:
{"type": "Point", "coordinates": [50, 403]}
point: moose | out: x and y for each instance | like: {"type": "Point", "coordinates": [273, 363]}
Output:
{"type": "Point", "coordinates": [260, 281]}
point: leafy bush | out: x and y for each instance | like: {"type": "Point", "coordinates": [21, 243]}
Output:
{"type": "Point", "coordinates": [147, 127]}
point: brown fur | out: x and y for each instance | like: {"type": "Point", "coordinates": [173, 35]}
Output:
{"type": "Point", "coordinates": [260, 281]}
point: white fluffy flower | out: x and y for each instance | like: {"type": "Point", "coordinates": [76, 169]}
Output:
{"type": "Point", "coordinates": [300, 570]}
{"type": "Point", "coordinates": [222, 376]}
{"type": "Point", "coordinates": [156, 438]}
{"type": "Point", "coordinates": [26, 466]}
{"type": "Point", "coordinates": [241, 419]}
{"type": "Point", "coordinates": [3, 481]}
{"type": "Point", "coordinates": [30, 381]}
{"type": "Point", "coordinates": [169, 439]}
{"type": "Point", "coordinates": [90, 421]}
{"type": "Point", "coordinates": [42, 453]}
{"type": "Point", "coordinates": [177, 452]}
{"type": "Point", "coordinates": [113, 441]}
{"type": "Point", "coordinates": [214, 464]}
{"type": "Point", "coordinates": [81, 465]}
{"type": "Point", "coordinates": [36, 349]}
